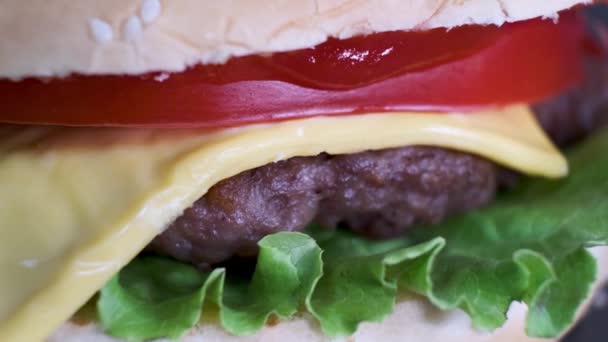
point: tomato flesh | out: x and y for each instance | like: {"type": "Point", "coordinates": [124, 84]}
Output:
{"type": "Point", "coordinates": [459, 69]}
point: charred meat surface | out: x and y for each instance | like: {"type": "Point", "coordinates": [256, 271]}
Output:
{"type": "Point", "coordinates": [379, 194]}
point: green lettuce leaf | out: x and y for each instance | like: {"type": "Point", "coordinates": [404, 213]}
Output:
{"type": "Point", "coordinates": [529, 246]}
{"type": "Point", "coordinates": [157, 297]}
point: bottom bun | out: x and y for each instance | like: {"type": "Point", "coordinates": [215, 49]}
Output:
{"type": "Point", "coordinates": [414, 319]}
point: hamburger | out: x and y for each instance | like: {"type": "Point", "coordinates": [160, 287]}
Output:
{"type": "Point", "coordinates": [392, 168]}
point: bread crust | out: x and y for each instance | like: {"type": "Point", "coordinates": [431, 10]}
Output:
{"type": "Point", "coordinates": [55, 38]}
{"type": "Point", "coordinates": [414, 319]}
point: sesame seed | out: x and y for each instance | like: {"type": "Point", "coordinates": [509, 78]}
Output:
{"type": "Point", "coordinates": [101, 30]}
{"type": "Point", "coordinates": [150, 10]}
{"type": "Point", "coordinates": [133, 29]}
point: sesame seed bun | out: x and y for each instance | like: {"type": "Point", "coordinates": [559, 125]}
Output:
{"type": "Point", "coordinates": [414, 319]}
{"type": "Point", "coordinates": [54, 38]}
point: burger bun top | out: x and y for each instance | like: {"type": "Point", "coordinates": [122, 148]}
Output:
{"type": "Point", "coordinates": [60, 37]}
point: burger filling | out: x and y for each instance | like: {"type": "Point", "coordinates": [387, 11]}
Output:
{"type": "Point", "coordinates": [380, 194]}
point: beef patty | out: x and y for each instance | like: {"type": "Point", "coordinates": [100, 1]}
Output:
{"type": "Point", "coordinates": [380, 194]}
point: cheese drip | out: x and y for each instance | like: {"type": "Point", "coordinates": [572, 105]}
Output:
{"type": "Point", "coordinates": [78, 203]}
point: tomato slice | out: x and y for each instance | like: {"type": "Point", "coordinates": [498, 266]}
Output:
{"type": "Point", "coordinates": [360, 61]}
{"type": "Point", "coordinates": [459, 69]}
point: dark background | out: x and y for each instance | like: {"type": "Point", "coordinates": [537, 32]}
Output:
{"type": "Point", "coordinates": [594, 328]}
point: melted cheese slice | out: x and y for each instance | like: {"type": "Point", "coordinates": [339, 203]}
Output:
{"type": "Point", "coordinates": [76, 204]}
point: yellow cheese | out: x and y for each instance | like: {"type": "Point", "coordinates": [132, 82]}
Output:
{"type": "Point", "coordinates": [76, 204]}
